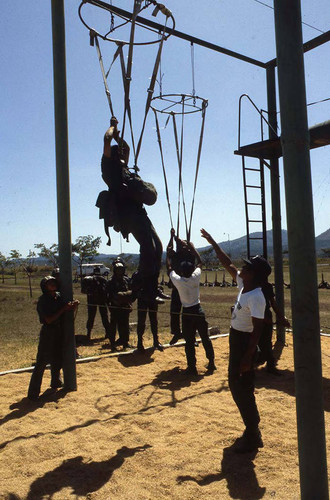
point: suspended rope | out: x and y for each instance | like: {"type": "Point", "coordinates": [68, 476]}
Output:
{"type": "Point", "coordinates": [197, 168]}
{"type": "Point", "coordinates": [126, 69]}
{"type": "Point", "coordinates": [172, 105]}
{"type": "Point", "coordinates": [163, 167]}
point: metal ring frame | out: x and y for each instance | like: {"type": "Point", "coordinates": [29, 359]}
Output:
{"type": "Point", "coordinates": [172, 102]}
{"type": "Point", "coordinates": [127, 20]}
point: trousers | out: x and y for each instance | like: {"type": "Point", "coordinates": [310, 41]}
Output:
{"type": "Point", "coordinates": [49, 352]}
{"type": "Point", "coordinates": [193, 318]}
{"type": "Point", "coordinates": [242, 386]}
{"type": "Point", "coordinates": [150, 307]}
{"type": "Point", "coordinates": [91, 311]}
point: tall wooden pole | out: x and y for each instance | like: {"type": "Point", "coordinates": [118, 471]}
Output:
{"type": "Point", "coordinates": [63, 189]}
{"type": "Point", "coordinates": [301, 238]}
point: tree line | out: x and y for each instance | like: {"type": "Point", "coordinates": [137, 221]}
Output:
{"type": "Point", "coordinates": [84, 249]}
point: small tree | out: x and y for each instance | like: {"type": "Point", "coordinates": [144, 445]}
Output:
{"type": "Point", "coordinates": [15, 262]}
{"type": "Point", "coordinates": [85, 249]}
{"type": "Point", "coordinates": [3, 265]}
{"type": "Point", "coordinates": [51, 253]}
{"type": "Point", "coordinates": [29, 267]}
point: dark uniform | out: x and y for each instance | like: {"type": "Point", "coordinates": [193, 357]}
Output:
{"type": "Point", "coordinates": [95, 288]}
{"type": "Point", "coordinates": [151, 307]}
{"type": "Point", "coordinates": [119, 298]}
{"type": "Point", "coordinates": [121, 207]}
{"type": "Point", "coordinates": [50, 344]}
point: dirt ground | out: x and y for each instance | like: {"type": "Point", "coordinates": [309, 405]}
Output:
{"type": "Point", "coordinates": [138, 428]}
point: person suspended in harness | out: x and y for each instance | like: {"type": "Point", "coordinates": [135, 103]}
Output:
{"type": "Point", "coordinates": [122, 208]}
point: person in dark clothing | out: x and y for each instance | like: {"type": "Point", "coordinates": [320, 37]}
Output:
{"type": "Point", "coordinates": [51, 309]}
{"type": "Point", "coordinates": [265, 342]}
{"type": "Point", "coordinates": [183, 253]}
{"type": "Point", "coordinates": [193, 317]}
{"type": "Point", "coordinates": [122, 208]}
{"type": "Point", "coordinates": [247, 323]}
{"type": "Point", "coordinates": [95, 288]}
{"type": "Point", "coordinates": [151, 307]}
{"type": "Point", "coordinates": [120, 298]}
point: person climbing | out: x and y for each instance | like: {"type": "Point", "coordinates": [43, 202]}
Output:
{"type": "Point", "coordinates": [122, 208]}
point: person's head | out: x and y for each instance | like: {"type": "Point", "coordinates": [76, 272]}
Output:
{"type": "Point", "coordinates": [187, 268]}
{"type": "Point", "coordinates": [96, 271]}
{"type": "Point", "coordinates": [182, 245]}
{"type": "Point", "coordinates": [48, 284]}
{"type": "Point", "coordinates": [118, 267]}
{"type": "Point", "coordinates": [255, 270]}
{"type": "Point", "coordinates": [120, 153]}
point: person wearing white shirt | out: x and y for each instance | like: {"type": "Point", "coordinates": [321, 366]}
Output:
{"type": "Point", "coordinates": [246, 326]}
{"type": "Point", "coordinates": [193, 316]}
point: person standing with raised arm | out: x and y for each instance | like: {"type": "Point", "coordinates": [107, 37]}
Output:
{"type": "Point", "coordinates": [247, 322]}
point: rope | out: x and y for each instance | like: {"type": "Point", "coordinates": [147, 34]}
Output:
{"type": "Point", "coordinates": [179, 158]}
{"type": "Point", "coordinates": [163, 167]}
{"type": "Point", "coordinates": [192, 53]}
{"type": "Point", "coordinates": [93, 37]}
{"type": "Point", "coordinates": [127, 100]}
{"type": "Point", "coordinates": [197, 169]}
{"type": "Point", "coordinates": [150, 93]}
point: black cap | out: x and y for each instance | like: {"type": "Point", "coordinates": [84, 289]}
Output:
{"type": "Point", "coordinates": [187, 267]}
{"type": "Point", "coordinates": [260, 265]}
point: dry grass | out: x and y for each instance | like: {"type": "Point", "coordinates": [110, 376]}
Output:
{"type": "Point", "coordinates": [138, 429]}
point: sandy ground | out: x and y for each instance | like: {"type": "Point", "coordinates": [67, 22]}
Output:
{"type": "Point", "coordinates": [137, 428]}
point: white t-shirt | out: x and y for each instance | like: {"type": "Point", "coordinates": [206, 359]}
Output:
{"type": "Point", "coordinates": [248, 305]}
{"type": "Point", "coordinates": [188, 288]}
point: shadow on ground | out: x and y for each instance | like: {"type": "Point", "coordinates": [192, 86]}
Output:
{"type": "Point", "coordinates": [238, 471]}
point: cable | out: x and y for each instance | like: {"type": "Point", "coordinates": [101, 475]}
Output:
{"type": "Point", "coordinates": [306, 24]}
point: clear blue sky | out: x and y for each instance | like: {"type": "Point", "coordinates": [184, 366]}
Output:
{"type": "Point", "coordinates": [28, 182]}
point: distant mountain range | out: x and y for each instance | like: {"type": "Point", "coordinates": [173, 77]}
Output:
{"type": "Point", "coordinates": [236, 248]}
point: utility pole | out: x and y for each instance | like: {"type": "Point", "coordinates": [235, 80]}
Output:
{"type": "Point", "coordinates": [301, 239]}
{"type": "Point", "coordinates": [63, 190]}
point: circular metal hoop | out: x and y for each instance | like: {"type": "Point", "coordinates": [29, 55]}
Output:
{"type": "Point", "coordinates": [123, 15]}
{"type": "Point", "coordinates": [188, 104]}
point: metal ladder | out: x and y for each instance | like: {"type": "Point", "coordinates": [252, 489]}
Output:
{"type": "Point", "coordinates": [254, 186]}
{"type": "Point", "coordinates": [259, 187]}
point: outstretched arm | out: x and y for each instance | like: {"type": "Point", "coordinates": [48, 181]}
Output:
{"type": "Point", "coordinates": [222, 256]}
{"type": "Point", "coordinates": [114, 133]}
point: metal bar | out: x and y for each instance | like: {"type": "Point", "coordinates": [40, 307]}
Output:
{"type": "Point", "coordinates": [263, 210]}
{"type": "Point", "coordinates": [276, 204]}
{"type": "Point", "coordinates": [178, 34]}
{"type": "Point", "coordinates": [254, 187]}
{"type": "Point", "coordinates": [301, 235]}
{"type": "Point", "coordinates": [63, 190]}
{"type": "Point", "coordinates": [310, 45]}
